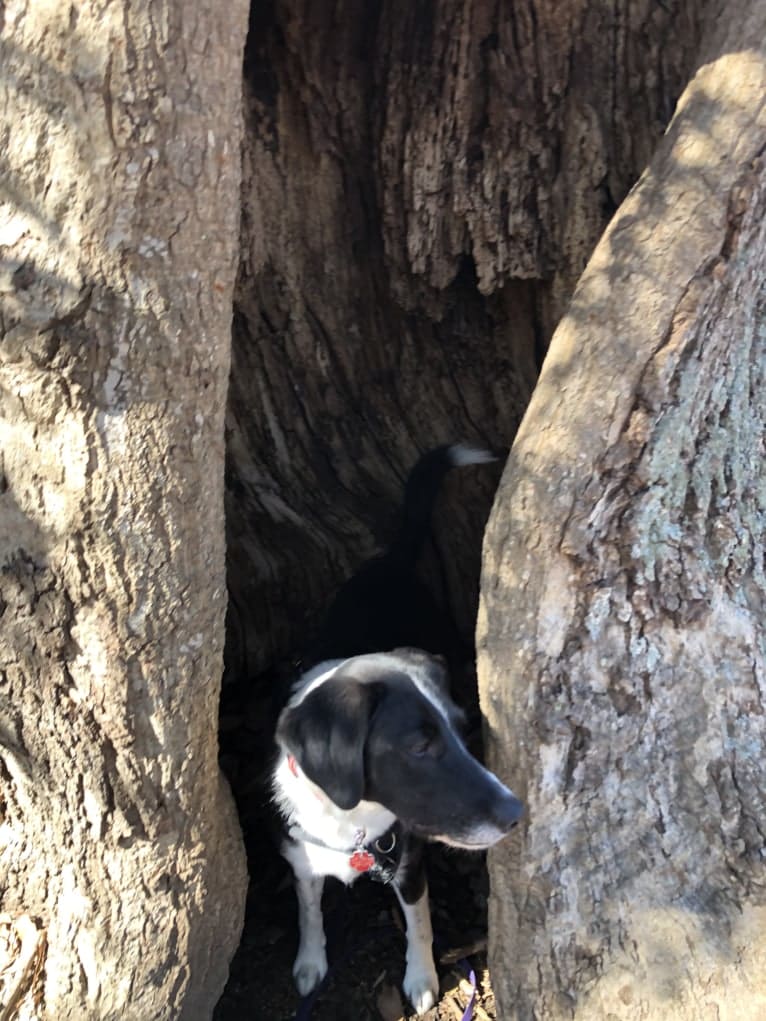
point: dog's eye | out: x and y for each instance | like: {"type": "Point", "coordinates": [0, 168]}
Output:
{"type": "Point", "coordinates": [421, 744]}
{"type": "Point", "coordinates": [421, 747]}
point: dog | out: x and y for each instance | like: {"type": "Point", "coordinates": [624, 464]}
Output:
{"type": "Point", "coordinates": [385, 604]}
{"type": "Point", "coordinates": [370, 764]}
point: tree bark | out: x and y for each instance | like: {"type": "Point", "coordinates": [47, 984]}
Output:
{"type": "Point", "coordinates": [423, 184]}
{"type": "Point", "coordinates": [120, 138]}
{"type": "Point", "coordinates": [622, 660]}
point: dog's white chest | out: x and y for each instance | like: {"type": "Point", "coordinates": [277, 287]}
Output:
{"type": "Point", "coordinates": [337, 833]}
{"type": "Point", "coordinates": [309, 859]}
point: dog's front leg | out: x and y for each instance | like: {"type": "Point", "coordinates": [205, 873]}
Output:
{"type": "Point", "coordinates": [421, 983]}
{"type": "Point", "coordinates": [311, 961]}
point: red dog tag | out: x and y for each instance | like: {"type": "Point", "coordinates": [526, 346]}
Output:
{"type": "Point", "coordinates": [362, 861]}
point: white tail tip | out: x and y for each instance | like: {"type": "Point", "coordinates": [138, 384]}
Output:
{"type": "Point", "coordinates": [467, 453]}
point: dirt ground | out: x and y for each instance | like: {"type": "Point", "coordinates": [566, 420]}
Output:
{"type": "Point", "coordinates": [364, 927]}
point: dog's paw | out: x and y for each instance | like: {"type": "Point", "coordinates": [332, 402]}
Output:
{"type": "Point", "coordinates": [421, 986]}
{"type": "Point", "coordinates": [309, 970]}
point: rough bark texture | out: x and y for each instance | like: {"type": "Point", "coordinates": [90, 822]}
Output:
{"type": "Point", "coordinates": [423, 185]}
{"type": "Point", "coordinates": [119, 138]}
{"type": "Point", "coordinates": [623, 663]}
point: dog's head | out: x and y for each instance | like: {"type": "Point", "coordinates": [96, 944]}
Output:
{"type": "Point", "coordinates": [382, 728]}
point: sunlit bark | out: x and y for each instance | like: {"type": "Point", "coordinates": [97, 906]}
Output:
{"type": "Point", "coordinates": [119, 140]}
{"type": "Point", "coordinates": [622, 657]}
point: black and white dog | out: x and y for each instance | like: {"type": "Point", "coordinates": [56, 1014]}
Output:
{"type": "Point", "coordinates": [370, 765]}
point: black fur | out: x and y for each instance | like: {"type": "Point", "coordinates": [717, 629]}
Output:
{"type": "Point", "coordinates": [411, 876]}
{"type": "Point", "coordinates": [385, 604]}
{"type": "Point", "coordinates": [326, 733]}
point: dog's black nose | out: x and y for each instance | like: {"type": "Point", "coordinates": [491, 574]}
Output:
{"type": "Point", "coordinates": [508, 811]}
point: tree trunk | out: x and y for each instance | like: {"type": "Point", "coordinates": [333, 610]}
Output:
{"type": "Point", "coordinates": [622, 658]}
{"type": "Point", "coordinates": [423, 184]}
{"type": "Point", "coordinates": [120, 138]}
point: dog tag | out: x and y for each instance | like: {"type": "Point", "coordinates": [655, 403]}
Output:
{"type": "Point", "coordinates": [361, 861]}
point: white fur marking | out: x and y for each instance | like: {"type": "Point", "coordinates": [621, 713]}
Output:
{"type": "Point", "coordinates": [421, 983]}
{"type": "Point", "coordinates": [311, 961]}
{"type": "Point", "coordinates": [384, 661]}
{"type": "Point", "coordinates": [465, 453]}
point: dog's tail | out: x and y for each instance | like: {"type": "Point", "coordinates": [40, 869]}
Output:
{"type": "Point", "coordinates": [420, 492]}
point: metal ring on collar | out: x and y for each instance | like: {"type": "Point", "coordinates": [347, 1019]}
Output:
{"type": "Point", "coordinates": [389, 849]}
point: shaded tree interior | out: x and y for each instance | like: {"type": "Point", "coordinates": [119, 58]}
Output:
{"type": "Point", "coordinates": [422, 185]}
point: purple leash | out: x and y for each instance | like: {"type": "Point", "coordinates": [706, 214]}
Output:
{"type": "Point", "coordinates": [468, 1012]}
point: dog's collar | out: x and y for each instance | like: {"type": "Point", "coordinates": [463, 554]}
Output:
{"type": "Point", "coordinates": [378, 858]}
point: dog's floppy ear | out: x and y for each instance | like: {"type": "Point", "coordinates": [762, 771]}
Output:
{"type": "Point", "coordinates": [326, 732]}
